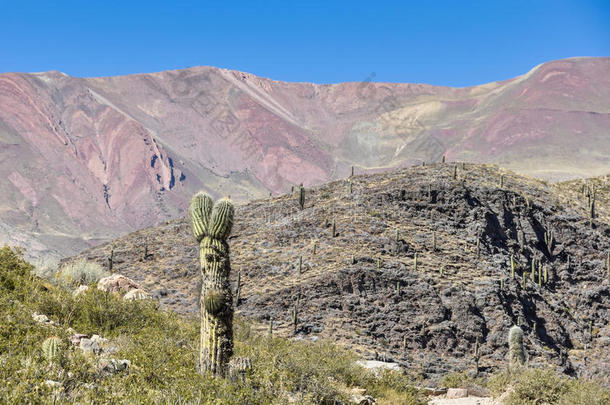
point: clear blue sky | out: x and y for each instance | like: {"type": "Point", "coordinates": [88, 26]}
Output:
{"type": "Point", "coordinates": [455, 43]}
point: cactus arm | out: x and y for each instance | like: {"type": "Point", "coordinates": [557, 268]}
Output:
{"type": "Point", "coordinates": [199, 212]}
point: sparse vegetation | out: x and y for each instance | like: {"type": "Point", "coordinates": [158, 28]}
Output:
{"type": "Point", "coordinates": [81, 272]}
{"type": "Point", "coordinates": [162, 348]}
{"type": "Point", "coordinates": [545, 386]}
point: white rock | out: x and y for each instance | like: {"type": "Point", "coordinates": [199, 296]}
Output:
{"type": "Point", "coordinates": [81, 289]}
{"type": "Point", "coordinates": [453, 393]}
{"type": "Point", "coordinates": [137, 294]}
{"type": "Point", "coordinates": [376, 365]}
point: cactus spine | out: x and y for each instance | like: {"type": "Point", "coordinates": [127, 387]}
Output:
{"type": "Point", "coordinates": [516, 355]}
{"type": "Point", "coordinates": [51, 348]}
{"type": "Point", "coordinates": [211, 227]}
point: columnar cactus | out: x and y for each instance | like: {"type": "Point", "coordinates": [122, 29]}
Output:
{"type": "Point", "coordinates": [516, 355]}
{"type": "Point", "coordinates": [211, 228]}
{"type": "Point", "coordinates": [51, 348]}
{"type": "Point", "coordinates": [549, 241]}
{"type": "Point", "coordinates": [302, 197]}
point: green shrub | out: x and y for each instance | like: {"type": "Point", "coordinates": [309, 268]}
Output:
{"type": "Point", "coordinates": [545, 386]}
{"type": "Point", "coordinates": [585, 393]}
{"type": "Point", "coordinates": [81, 272]}
{"type": "Point", "coordinates": [459, 379]}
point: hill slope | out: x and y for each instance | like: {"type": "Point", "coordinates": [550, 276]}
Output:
{"type": "Point", "coordinates": [361, 287]}
{"type": "Point", "coordinates": [89, 159]}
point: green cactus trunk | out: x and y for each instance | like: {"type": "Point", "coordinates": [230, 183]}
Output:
{"type": "Point", "coordinates": [516, 354]}
{"type": "Point", "coordinates": [211, 228]}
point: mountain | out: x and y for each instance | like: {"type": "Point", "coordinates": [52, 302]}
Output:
{"type": "Point", "coordinates": [362, 288]}
{"type": "Point", "coordinates": [88, 159]}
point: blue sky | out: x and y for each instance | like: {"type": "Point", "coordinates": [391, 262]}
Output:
{"type": "Point", "coordinates": [454, 43]}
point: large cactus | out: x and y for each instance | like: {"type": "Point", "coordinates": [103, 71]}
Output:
{"type": "Point", "coordinates": [516, 355]}
{"type": "Point", "coordinates": [211, 228]}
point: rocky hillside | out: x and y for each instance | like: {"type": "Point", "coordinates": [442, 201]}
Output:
{"type": "Point", "coordinates": [362, 287]}
{"type": "Point", "coordinates": [86, 160]}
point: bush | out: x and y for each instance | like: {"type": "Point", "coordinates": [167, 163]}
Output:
{"type": "Point", "coordinates": [457, 380]}
{"type": "Point", "coordinates": [545, 386]}
{"type": "Point", "coordinates": [585, 393]}
{"type": "Point", "coordinates": [81, 272]}
{"type": "Point", "coordinates": [46, 268]}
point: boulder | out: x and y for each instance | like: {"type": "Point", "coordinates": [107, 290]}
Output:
{"type": "Point", "coordinates": [113, 366]}
{"type": "Point", "coordinates": [81, 289]}
{"type": "Point", "coordinates": [77, 337]}
{"type": "Point", "coordinates": [89, 346]}
{"type": "Point", "coordinates": [117, 283]}
{"type": "Point", "coordinates": [137, 294]}
{"type": "Point", "coordinates": [454, 393]}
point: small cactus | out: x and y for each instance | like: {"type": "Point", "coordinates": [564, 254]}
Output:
{"type": "Point", "coordinates": [270, 330]}
{"type": "Point", "coordinates": [398, 288]}
{"type": "Point", "coordinates": [51, 348]}
{"type": "Point", "coordinates": [516, 355]}
{"type": "Point", "coordinates": [455, 172]}
{"type": "Point", "coordinates": [334, 229]}
{"type": "Point", "coordinates": [443, 161]}
{"type": "Point", "coordinates": [549, 241]}
{"type": "Point", "coordinates": [501, 181]}
{"type": "Point", "coordinates": [434, 241]}
{"type": "Point", "coordinates": [378, 263]}
{"type": "Point", "coordinates": [352, 175]}
{"type": "Point", "coordinates": [302, 197]}
{"type": "Point", "coordinates": [351, 187]}
{"type": "Point", "coordinates": [415, 262]}
{"type": "Point", "coordinates": [521, 239]}
{"type": "Point", "coordinates": [512, 266]}
{"type": "Point", "coordinates": [111, 259]}
{"type": "Point", "coordinates": [295, 315]}
{"type": "Point", "coordinates": [501, 284]}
